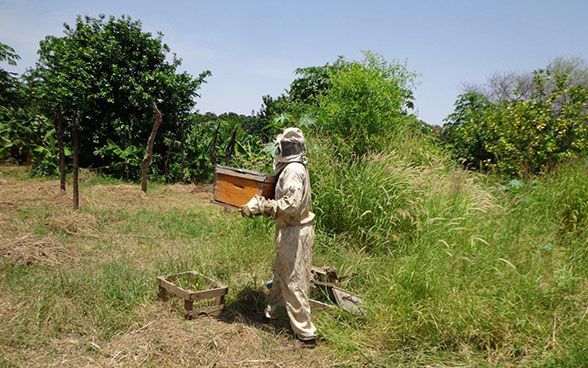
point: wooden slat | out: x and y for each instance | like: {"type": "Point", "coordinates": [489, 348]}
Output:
{"type": "Point", "coordinates": [234, 190]}
{"type": "Point", "coordinates": [173, 288]}
{"type": "Point", "coordinates": [259, 177]}
{"type": "Point", "coordinates": [172, 278]}
{"type": "Point", "coordinates": [208, 279]}
{"type": "Point", "coordinates": [205, 294]}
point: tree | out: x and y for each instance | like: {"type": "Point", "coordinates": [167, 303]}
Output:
{"type": "Point", "coordinates": [366, 103]}
{"type": "Point", "coordinates": [108, 71]}
{"type": "Point", "coordinates": [531, 136]}
{"type": "Point", "coordinates": [508, 86]}
{"type": "Point", "coordinates": [10, 93]}
{"type": "Point", "coordinates": [522, 136]}
{"type": "Point", "coordinates": [466, 131]}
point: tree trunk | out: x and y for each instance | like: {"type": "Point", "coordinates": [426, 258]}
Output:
{"type": "Point", "coordinates": [183, 141]}
{"type": "Point", "coordinates": [149, 151]}
{"type": "Point", "coordinates": [168, 156]}
{"type": "Point", "coordinates": [213, 145]}
{"type": "Point", "coordinates": [231, 147]}
{"type": "Point", "coordinates": [60, 146]}
{"type": "Point", "coordinates": [76, 165]}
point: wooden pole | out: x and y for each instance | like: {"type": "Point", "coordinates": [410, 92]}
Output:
{"type": "Point", "coordinates": [149, 151]}
{"type": "Point", "coordinates": [213, 145]}
{"type": "Point", "coordinates": [76, 164]}
{"type": "Point", "coordinates": [168, 156]}
{"type": "Point", "coordinates": [231, 146]}
{"type": "Point", "coordinates": [61, 146]}
{"type": "Point", "coordinates": [183, 140]}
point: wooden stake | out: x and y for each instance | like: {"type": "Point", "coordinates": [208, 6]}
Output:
{"type": "Point", "coordinates": [149, 151]}
{"type": "Point", "coordinates": [76, 164]}
{"type": "Point", "coordinates": [168, 156]}
{"type": "Point", "coordinates": [231, 146]}
{"type": "Point", "coordinates": [60, 146]}
{"type": "Point", "coordinates": [183, 140]}
{"type": "Point", "coordinates": [213, 145]}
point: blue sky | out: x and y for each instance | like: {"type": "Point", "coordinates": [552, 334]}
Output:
{"type": "Point", "coordinates": [252, 47]}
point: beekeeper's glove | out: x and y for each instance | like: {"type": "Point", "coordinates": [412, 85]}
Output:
{"type": "Point", "coordinates": [251, 208]}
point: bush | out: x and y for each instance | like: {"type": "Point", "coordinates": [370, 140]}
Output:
{"type": "Point", "coordinates": [366, 103]}
{"type": "Point", "coordinates": [522, 137]}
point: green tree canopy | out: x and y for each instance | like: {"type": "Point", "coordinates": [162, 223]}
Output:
{"type": "Point", "coordinates": [366, 102]}
{"type": "Point", "coordinates": [107, 71]}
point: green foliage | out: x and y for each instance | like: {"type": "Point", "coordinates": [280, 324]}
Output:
{"type": "Point", "coordinates": [8, 54]}
{"type": "Point", "coordinates": [108, 71]}
{"type": "Point", "coordinates": [366, 103]}
{"type": "Point", "coordinates": [10, 87]}
{"type": "Point", "coordinates": [531, 136]}
{"type": "Point", "coordinates": [522, 137]}
{"type": "Point", "coordinates": [466, 131]}
{"type": "Point", "coordinates": [298, 106]}
{"type": "Point", "coordinates": [127, 160]}
{"type": "Point", "coordinates": [22, 133]}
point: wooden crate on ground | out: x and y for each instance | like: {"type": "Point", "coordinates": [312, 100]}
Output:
{"type": "Point", "coordinates": [235, 187]}
{"type": "Point", "coordinates": [170, 285]}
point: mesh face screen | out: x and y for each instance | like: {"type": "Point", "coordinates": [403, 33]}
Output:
{"type": "Point", "coordinates": [290, 148]}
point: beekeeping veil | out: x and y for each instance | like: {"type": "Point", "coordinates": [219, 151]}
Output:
{"type": "Point", "coordinates": [290, 148]}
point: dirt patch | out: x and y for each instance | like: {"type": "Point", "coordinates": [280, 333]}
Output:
{"type": "Point", "coordinates": [33, 249]}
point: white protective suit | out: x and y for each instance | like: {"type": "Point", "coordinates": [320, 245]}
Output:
{"type": "Point", "coordinates": [294, 236]}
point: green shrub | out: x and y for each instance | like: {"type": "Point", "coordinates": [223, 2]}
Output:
{"type": "Point", "coordinates": [366, 103]}
{"type": "Point", "coordinates": [522, 137]}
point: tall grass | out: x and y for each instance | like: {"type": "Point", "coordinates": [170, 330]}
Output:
{"type": "Point", "coordinates": [456, 268]}
{"type": "Point", "coordinates": [455, 264]}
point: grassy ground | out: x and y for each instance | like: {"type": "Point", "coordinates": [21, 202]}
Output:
{"type": "Point", "coordinates": [469, 274]}
{"type": "Point", "coordinates": [78, 288]}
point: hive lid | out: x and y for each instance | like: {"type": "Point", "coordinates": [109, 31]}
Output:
{"type": "Point", "coordinates": [243, 173]}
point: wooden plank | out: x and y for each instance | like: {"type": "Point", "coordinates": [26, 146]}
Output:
{"type": "Point", "coordinates": [173, 288]}
{"type": "Point", "coordinates": [245, 174]}
{"type": "Point", "coordinates": [208, 279]}
{"type": "Point", "coordinates": [162, 294]}
{"type": "Point", "coordinates": [234, 190]}
{"type": "Point", "coordinates": [323, 283]}
{"type": "Point", "coordinates": [172, 278]}
{"type": "Point", "coordinates": [206, 294]}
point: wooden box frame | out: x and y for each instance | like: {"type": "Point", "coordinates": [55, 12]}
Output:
{"type": "Point", "coordinates": [218, 291]}
{"type": "Point", "coordinates": [235, 187]}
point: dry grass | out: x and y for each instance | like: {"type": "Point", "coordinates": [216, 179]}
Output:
{"type": "Point", "coordinates": [167, 341]}
{"type": "Point", "coordinates": [72, 224]}
{"type": "Point", "coordinates": [114, 227]}
{"type": "Point", "coordinates": [33, 250]}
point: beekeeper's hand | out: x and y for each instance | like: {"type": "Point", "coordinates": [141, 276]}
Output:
{"type": "Point", "coordinates": [251, 208]}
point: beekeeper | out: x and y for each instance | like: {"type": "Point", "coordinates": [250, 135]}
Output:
{"type": "Point", "coordinates": [294, 234]}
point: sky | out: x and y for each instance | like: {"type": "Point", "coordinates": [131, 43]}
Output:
{"type": "Point", "coordinates": [253, 47]}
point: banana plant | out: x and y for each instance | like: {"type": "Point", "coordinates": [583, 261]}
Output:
{"type": "Point", "coordinates": [127, 159]}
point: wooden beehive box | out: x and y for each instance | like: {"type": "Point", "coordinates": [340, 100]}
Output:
{"type": "Point", "coordinates": [235, 187]}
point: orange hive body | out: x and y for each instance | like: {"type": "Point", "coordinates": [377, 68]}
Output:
{"type": "Point", "coordinates": [235, 187]}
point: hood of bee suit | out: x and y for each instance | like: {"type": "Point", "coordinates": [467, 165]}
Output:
{"type": "Point", "coordinates": [291, 147]}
